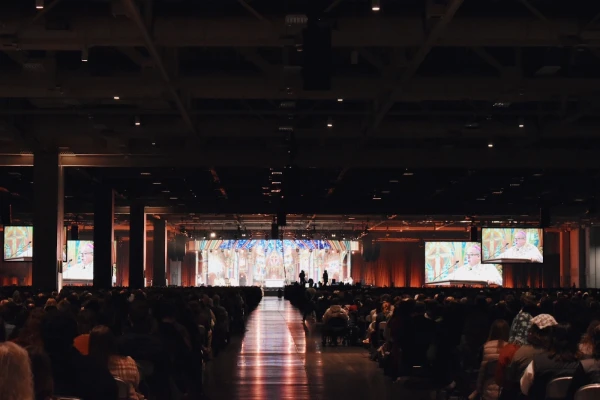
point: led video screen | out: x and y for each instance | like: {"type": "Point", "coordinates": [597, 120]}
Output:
{"type": "Point", "coordinates": [18, 243]}
{"type": "Point", "coordinates": [458, 261]}
{"type": "Point", "coordinates": [272, 262]}
{"type": "Point", "coordinates": [80, 261]}
{"type": "Point", "coordinates": [512, 245]}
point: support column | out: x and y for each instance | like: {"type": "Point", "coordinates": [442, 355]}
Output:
{"type": "Point", "coordinates": [565, 259]}
{"type": "Point", "coordinates": [137, 245]}
{"type": "Point", "coordinates": [160, 253]}
{"type": "Point", "coordinates": [48, 220]}
{"type": "Point", "coordinates": [104, 217]}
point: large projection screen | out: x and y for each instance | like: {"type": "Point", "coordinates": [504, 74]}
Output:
{"type": "Point", "coordinates": [80, 261]}
{"type": "Point", "coordinates": [460, 262]}
{"type": "Point", "coordinates": [18, 243]}
{"type": "Point", "coordinates": [512, 245]}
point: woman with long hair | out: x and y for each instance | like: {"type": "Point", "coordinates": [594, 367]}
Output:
{"type": "Point", "coordinates": [497, 339]}
{"type": "Point", "coordinates": [586, 346]}
{"type": "Point", "coordinates": [16, 381]}
{"type": "Point", "coordinates": [588, 370]}
{"type": "Point", "coordinates": [103, 349]}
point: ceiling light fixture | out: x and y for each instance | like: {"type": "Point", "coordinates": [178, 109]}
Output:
{"type": "Point", "coordinates": [521, 122]}
{"type": "Point", "coordinates": [156, 183]}
{"type": "Point", "coordinates": [84, 54]}
{"type": "Point", "coordinates": [330, 122]}
{"type": "Point", "coordinates": [375, 5]}
{"type": "Point", "coordinates": [490, 145]}
{"type": "Point", "coordinates": [376, 198]}
{"type": "Point", "coordinates": [145, 173]}
{"type": "Point", "coordinates": [213, 235]}
{"type": "Point", "coordinates": [173, 198]}
{"type": "Point", "coordinates": [39, 4]}
{"type": "Point", "coordinates": [340, 100]}
{"type": "Point", "coordinates": [137, 121]}
{"type": "Point", "coordinates": [117, 97]}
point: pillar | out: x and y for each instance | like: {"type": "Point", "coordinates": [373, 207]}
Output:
{"type": "Point", "coordinates": [565, 259]}
{"type": "Point", "coordinates": [104, 217]}
{"type": "Point", "coordinates": [137, 245]}
{"type": "Point", "coordinates": [48, 219]}
{"type": "Point", "coordinates": [160, 253]}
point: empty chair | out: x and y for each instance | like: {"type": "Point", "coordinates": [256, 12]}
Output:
{"type": "Point", "coordinates": [558, 388]}
{"type": "Point", "coordinates": [588, 392]}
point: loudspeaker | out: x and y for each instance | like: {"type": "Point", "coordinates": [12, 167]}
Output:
{"type": "Point", "coordinates": [274, 231]}
{"type": "Point", "coordinates": [316, 68]}
{"type": "Point", "coordinates": [74, 232]}
{"type": "Point", "coordinates": [474, 234]}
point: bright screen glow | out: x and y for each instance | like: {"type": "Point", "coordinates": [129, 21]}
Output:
{"type": "Point", "coordinates": [458, 261]}
{"type": "Point", "coordinates": [512, 245]}
{"type": "Point", "coordinates": [80, 261]}
{"type": "Point", "coordinates": [272, 262]}
{"type": "Point", "coordinates": [18, 243]}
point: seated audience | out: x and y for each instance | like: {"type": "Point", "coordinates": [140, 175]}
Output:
{"type": "Point", "coordinates": [558, 361]}
{"type": "Point", "coordinates": [103, 349]}
{"type": "Point", "coordinates": [586, 346]}
{"type": "Point", "coordinates": [74, 374]}
{"type": "Point", "coordinates": [486, 387]}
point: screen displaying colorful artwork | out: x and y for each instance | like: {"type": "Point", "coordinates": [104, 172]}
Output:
{"type": "Point", "coordinates": [80, 261]}
{"type": "Point", "coordinates": [512, 245]}
{"type": "Point", "coordinates": [458, 261]}
{"type": "Point", "coordinates": [272, 262]}
{"type": "Point", "coordinates": [18, 243]}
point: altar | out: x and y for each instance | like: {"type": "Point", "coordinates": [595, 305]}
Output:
{"type": "Point", "coordinates": [274, 283]}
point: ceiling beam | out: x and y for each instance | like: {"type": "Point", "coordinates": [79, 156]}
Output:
{"type": "Point", "coordinates": [134, 13]}
{"type": "Point", "coordinates": [134, 88]}
{"type": "Point", "coordinates": [384, 31]}
{"type": "Point", "coordinates": [415, 63]}
{"type": "Point", "coordinates": [333, 157]}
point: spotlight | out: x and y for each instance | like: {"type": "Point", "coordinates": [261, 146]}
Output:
{"type": "Point", "coordinates": [340, 100]}
{"type": "Point", "coordinates": [137, 121]}
{"type": "Point", "coordinates": [117, 98]}
{"type": "Point", "coordinates": [330, 122]}
{"type": "Point", "coordinates": [490, 145]}
{"type": "Point", "coordinates": [39, 4]}
{"type": "Point", "coordinates": [375, 5]}
{"type": "Point", "coordinates": [213, 235]}
{"type": "Point", "coordinates": [84, 54]}
{"type": "Point", "coordinates": [521, 123]}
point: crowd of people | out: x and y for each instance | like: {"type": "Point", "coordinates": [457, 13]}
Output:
{"type": "Point", "coordinates": [487, 344]}
{"type": "Point", "coordinates": [150, 343]}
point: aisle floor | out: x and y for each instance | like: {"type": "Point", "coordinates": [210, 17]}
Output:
{"type": "Point", "coordinates": [281, 358]}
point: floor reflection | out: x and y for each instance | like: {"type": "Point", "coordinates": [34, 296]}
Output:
{"type": "Point", "coordinates": [280, 358]}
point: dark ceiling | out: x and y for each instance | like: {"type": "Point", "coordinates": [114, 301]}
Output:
{"type": "Point", "coordinates": [441, 107]}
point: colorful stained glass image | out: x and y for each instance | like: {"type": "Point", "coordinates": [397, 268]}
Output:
{"type": "Point", "coordinates": [18, 243]}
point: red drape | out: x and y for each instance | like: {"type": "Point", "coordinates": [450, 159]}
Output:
{"type": "Point", "coordinates": [399, 263]}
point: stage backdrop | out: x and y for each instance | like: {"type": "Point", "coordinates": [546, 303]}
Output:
{"type": "Point", "coordinates": [403, 264]}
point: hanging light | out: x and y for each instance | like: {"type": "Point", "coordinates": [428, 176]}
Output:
{"type": "Point", "coordinates": [84, 54]}
{"type": "Point", "coordinates": [137, 121]}
{"type": "Point", "coordinates": [490, 145]}
{"type": "Point", "coordinates": [375, 5]}
{"type": "Point", "coordinates": [39, 4]}
{"type": "Point", "coordinates": [330, 122]}
{"type": "Point", "coordinates": [521, 122]}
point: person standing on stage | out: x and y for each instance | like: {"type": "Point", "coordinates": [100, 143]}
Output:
{"type": "Point", "coordinates": [302, 277]}
{"type": "Point", "coordinates": [325, 278]}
